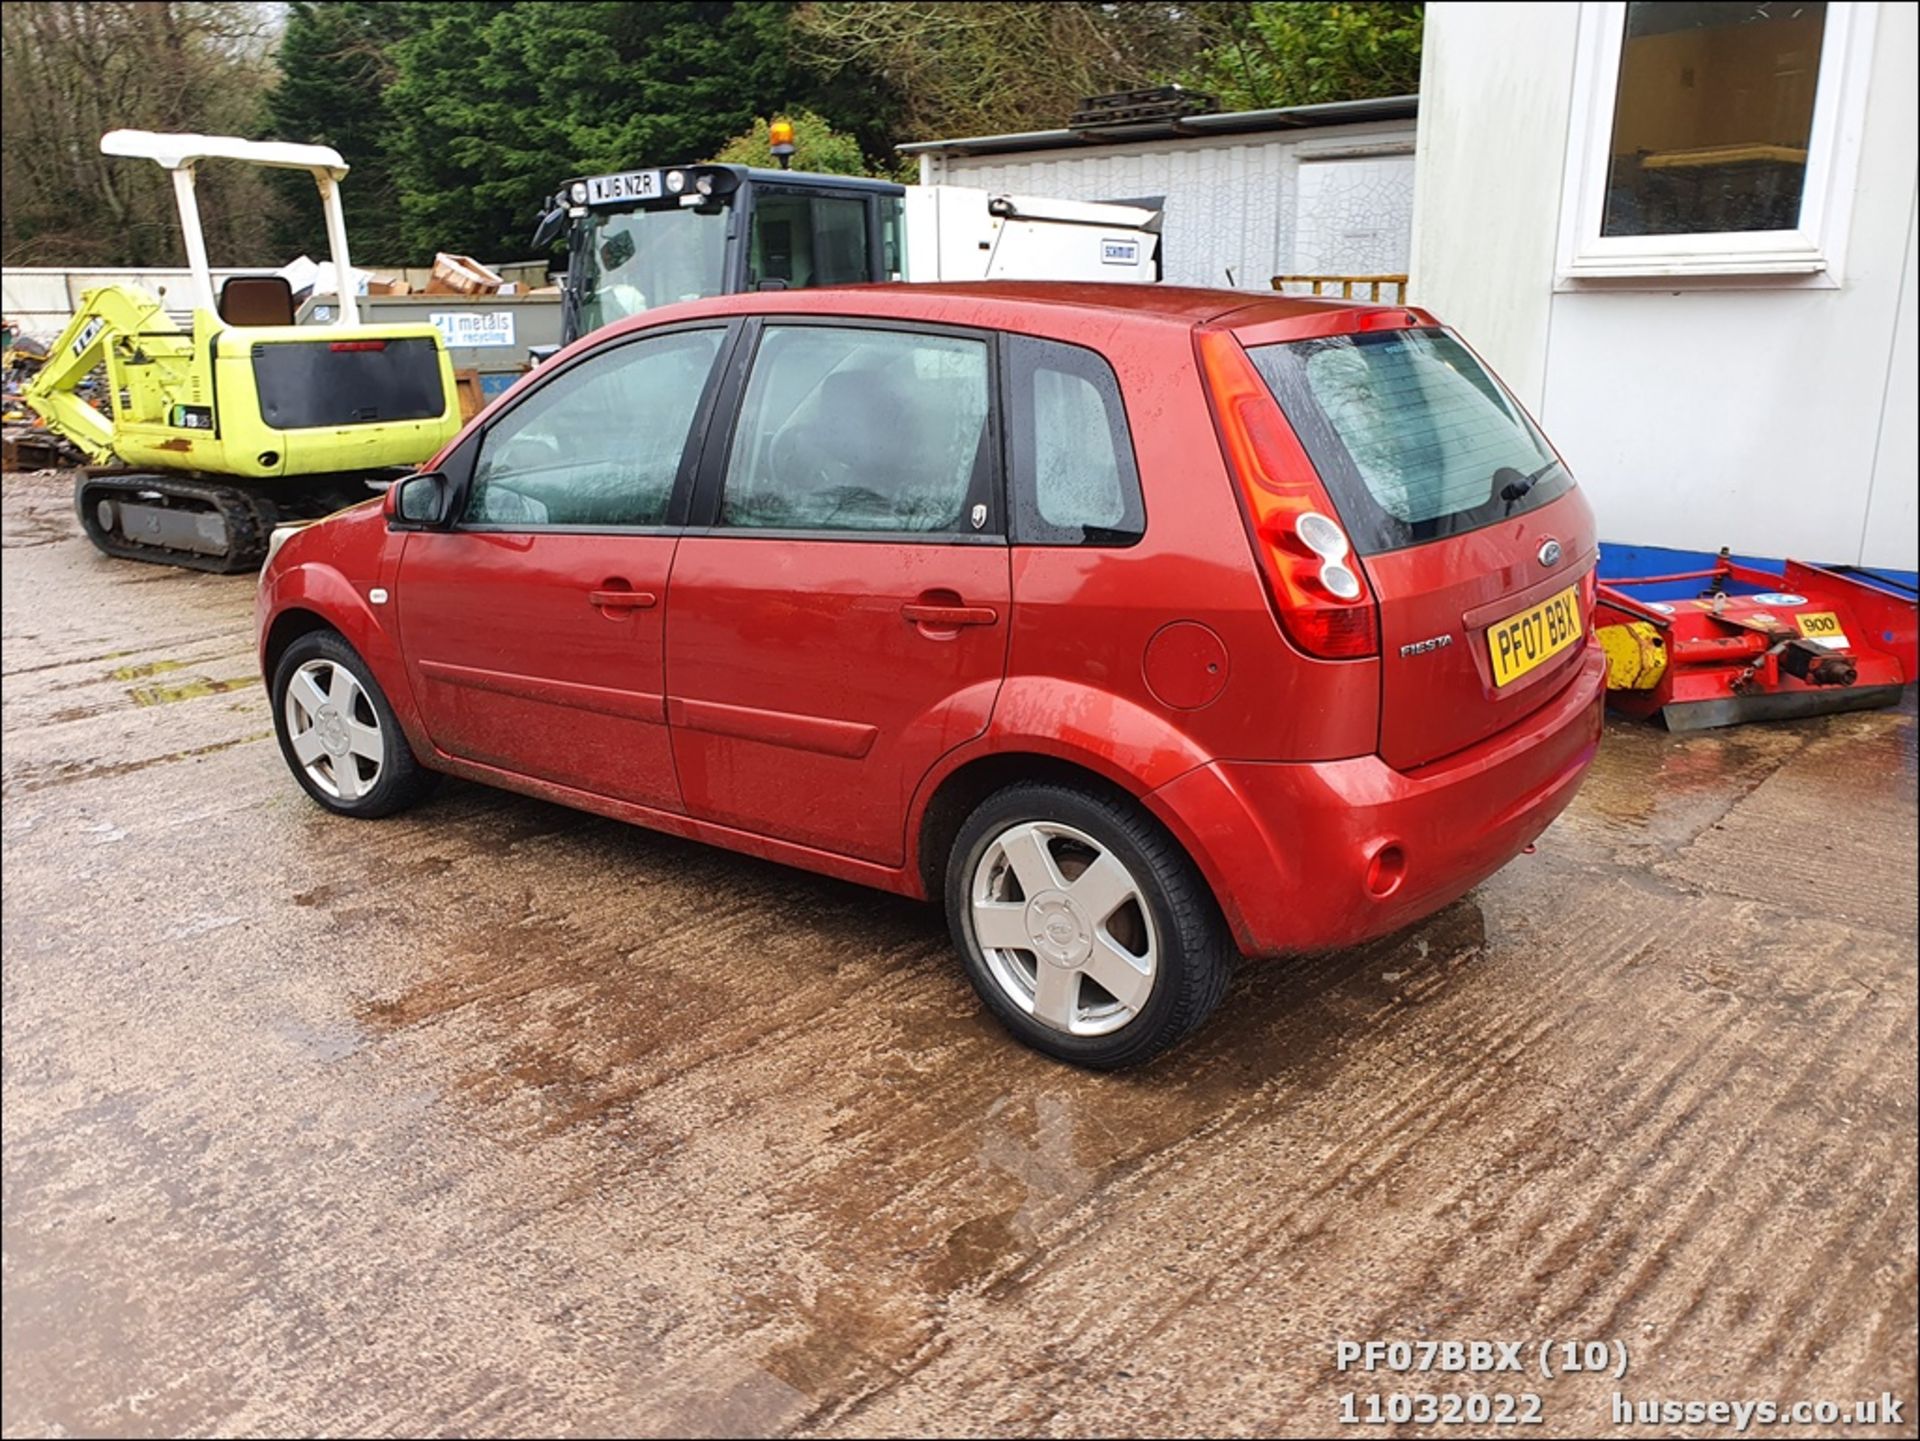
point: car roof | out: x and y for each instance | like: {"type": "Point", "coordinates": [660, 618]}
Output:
{"type": "Point", "coordinates": [1002, 303]}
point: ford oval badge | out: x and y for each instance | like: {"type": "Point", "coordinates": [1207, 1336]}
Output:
{"type": "Point", "coordinates": [1549, 552]}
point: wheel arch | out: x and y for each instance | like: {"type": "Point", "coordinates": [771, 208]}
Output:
{"type": "Point", "coordinates": [955, 796]}
{"type": "Point", "coordinates": [301, 599]}
{"type": "Point", "coordinates": [287, 627]}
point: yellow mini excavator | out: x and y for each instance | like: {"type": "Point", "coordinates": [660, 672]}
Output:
{"type": "Point", "coordinates": [203, 438]}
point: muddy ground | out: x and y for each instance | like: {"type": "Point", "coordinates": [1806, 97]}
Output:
{"type": "Point", "coordinates": [498, 1117]}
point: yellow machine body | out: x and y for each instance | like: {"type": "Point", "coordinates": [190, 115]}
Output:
{"type": "Point", "coordinates": [205, 438]}
{"type": "Point", "coordinates": [193, 401]}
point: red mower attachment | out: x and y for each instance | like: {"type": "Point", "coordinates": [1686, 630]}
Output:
{"type": "Point", "coordinates": [1758, 646]}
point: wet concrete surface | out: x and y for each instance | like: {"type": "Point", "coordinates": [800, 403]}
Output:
{"type": "Point", "coordinates": [497, 1117]}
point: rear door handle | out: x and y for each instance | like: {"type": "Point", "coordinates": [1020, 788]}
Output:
{"type": "Point", "coordinates": [623, 599]}
{"type": "Point", "coordinates": [948, 617]}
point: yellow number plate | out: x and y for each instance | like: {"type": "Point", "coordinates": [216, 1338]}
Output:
{"type": "Point", "coordinates": [1822, 626]}
{"type": "Point", "coordinates": [1522, 642]}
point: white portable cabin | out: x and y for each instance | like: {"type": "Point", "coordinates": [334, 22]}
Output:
{"type": "Point", "coordinates": [1245, 195]}
{"type": "Point", "coordinates": [1711, 380]}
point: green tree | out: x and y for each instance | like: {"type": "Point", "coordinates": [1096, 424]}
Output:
{"type": "Point", "coordinates": [966, 67]}
{"type": "Point", "coordinates": [1283, 52]}
{"type": "Point", "coordinates": [336, 64]}
{"type": "Point", "coordinates": [495, 104]}
{"type": "Point", "coordinates": [817, 146]}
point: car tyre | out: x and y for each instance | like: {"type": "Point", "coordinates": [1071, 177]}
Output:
{"type": "Point", "coordinates": [1083, 925]}
{"type": "Point", "coordinates": [338, 733]}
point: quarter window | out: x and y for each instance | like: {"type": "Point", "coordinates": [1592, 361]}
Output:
{"type": "Point", "coordinates": [598, 445]}
{"type": "Point", "coordinates": [849, 429]}
{"type": "Point", "coordinates": [1075, 481]}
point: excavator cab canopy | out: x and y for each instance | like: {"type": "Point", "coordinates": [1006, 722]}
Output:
{"type": "Point", "coordinates": [180, 154]}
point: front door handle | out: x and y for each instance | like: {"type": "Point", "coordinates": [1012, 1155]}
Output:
{"type": "Point", "coordinates": [623, 599]}
{"type": "Point", "coordinates": [948, 617]}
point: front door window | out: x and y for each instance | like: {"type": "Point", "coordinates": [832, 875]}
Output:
{"type": "Point", "coordinates": [598, 445]}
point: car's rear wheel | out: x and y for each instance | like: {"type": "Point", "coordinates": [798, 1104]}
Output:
{"type": "Point", "coordinates": [339, 735]}
{"type": "Point", "coordinates": [1083, 926]}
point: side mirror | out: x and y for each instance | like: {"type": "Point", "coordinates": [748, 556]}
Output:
{"type": "Point", "coordinates": [421, 502]}
{"type": "Point", "coordinates": [549, 227]}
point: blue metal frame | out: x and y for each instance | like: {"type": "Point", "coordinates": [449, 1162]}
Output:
{"type": "Point", "coordinates": [1626, 562]}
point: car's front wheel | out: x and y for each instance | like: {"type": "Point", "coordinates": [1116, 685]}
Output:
{"type": "Point", "coordinates": [339, 735]}
{"type": "Point", "coordinates": [1083, 925]}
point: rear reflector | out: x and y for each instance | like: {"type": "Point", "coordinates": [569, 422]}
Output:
{"type": "Point", "coordinates": [1336, 632]}
{"type": "Point", "coordinates": [358, 345]}
{"type": "Point", "coordinates": [1313, 577]}
{"type": "Point", "coordinates": [1386, 869]}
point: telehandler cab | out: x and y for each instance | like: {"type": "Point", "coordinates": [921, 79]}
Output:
{"type": "Point", "coordinates": [644, 238]}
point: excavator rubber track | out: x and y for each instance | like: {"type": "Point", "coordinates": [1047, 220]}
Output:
{"type": "Point", "coordinates": [196, 522]}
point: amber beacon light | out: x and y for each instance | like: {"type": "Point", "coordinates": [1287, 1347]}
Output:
{"type": "Point", "coordinates": [780, 136]}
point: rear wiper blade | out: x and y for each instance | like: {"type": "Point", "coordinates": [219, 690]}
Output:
{"type": "Point", "coordinates": [1515, 486]}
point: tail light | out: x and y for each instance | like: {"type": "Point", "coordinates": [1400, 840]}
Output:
{"type": "Point", "coordinates": [358, 345]}
{"type": "Point", "coordinates": [1318, 591]}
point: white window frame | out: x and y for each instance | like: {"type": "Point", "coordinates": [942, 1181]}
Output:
{"type": "Point", "coordinates": [1810, 254]}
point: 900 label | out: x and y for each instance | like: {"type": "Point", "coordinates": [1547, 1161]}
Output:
{"type": "Point", "coordinates": [1822, 626]}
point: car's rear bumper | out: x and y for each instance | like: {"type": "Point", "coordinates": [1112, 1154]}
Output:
{"type": "Point", "coordinates": [1290, 849]}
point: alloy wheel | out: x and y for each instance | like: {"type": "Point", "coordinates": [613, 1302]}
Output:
{"type": "Point", "coordinates": [1064, 927]}
{"type": "Point", "coordinates": [334, 729]}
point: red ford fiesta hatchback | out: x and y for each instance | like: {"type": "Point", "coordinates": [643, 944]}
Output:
{"type": "Point", "coordinates": [1141, 626]}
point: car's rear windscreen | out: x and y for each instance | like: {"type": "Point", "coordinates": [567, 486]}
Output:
{"type": "Point", "coordinates": [1413, 437]}
{"type": "Point", "coordinates": [307, 384]}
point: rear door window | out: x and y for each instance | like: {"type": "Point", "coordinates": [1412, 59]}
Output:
{"type": "Point", "coordinates": [1412, 435]}
{"type": "Point", "coordinates": [861, 429]}
{"type": "Point", "coordinates": [1074, 477]}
